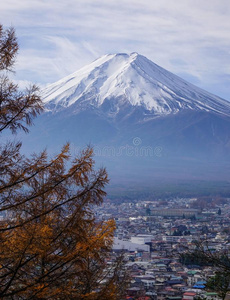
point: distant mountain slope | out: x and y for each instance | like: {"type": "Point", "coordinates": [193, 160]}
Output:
{"type": "Point", "coordinates": [144, 122]}
{"type": "Point", "coordinates": [132, 79]}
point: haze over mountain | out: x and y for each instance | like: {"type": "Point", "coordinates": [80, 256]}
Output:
{"type": "Point", "coordinates": [144, 122]}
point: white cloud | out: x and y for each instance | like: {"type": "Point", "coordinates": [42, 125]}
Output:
{"type": "Point", "coordinates": [188, 37]}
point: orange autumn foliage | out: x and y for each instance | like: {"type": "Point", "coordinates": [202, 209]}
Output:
{"type": "Point", "coordinates": [51, 245]}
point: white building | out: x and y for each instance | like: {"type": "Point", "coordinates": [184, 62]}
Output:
{"type": "Point", "coordinates": [129, 245]}
{"type": "Point", "coordinates": [141, 239]}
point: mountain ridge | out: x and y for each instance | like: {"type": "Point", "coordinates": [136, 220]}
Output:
{"type": "Point", "coordinates": [133, 79]}
{"type": "Point", "coordinates": [183, 135]}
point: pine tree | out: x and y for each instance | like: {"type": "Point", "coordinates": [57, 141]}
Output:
{"type": "Point", "coordinates": [51, 245]}
{"type": "Point", "coordinates": [219, 261]}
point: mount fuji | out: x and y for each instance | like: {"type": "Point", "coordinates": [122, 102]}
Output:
{"type": "Point", "coordinates": [130, 79]}
{"type": "Point", "coordinates": [144, 122]}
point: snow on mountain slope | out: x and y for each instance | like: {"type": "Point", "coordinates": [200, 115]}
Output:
{"type": "Point", "coordinates": [132, 78]}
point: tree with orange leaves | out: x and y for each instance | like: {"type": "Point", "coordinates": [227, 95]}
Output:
{"type": "Point", "coordinates": [51, 245]}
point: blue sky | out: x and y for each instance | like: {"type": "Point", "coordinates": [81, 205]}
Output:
{"type": "Point", "coordinates": [190, 38]}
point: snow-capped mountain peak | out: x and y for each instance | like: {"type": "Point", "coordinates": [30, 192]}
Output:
{"type": "Point", "coordinates": [134, 79]}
